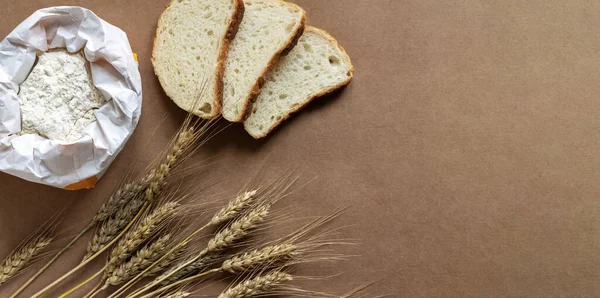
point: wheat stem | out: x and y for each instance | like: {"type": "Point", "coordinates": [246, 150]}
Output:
{"type": "Point", "coordinates": [95, 290]}
{"type": "Point", "coordinates": [81, 284]}
{"type": "Point", "coordinates": [185, 280]}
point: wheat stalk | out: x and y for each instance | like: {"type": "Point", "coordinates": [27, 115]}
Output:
{"type": "Point", "coordinates": [259, 285]}
{"type": "Point", "coordinates": [227, 213]}
{"type": "Point", "coordinates": [141, 260]}
{"type": "Point", "coordinates": [154, 180]}
{"type": "Point", "coordinates": [17, 261]}
{"type": "Point", "coordinates": [258, 258]}
{"type": "Point", "coordinates": [140, 233]}
{"type": "Point", "coordinates": [220, 241]}
{"type": "Point", "coordinates": [292, 249]}
{"type": "Point", "coordinates": [234, 208]}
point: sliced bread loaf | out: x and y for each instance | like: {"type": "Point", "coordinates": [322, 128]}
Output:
{"type": "Point", "coordinates": [190, 50]}
{"type": "Point", "coordinates": [268, 29]}
{"type": "Point", "coordinates": [318, 65]}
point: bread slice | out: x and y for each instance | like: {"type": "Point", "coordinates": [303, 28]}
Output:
{"type": "Point", "coordinates": [190, 50]}
{"type": "Point", "coordinates": [269, 28]}
{"type": "Point", "coordinates": [318, 65]}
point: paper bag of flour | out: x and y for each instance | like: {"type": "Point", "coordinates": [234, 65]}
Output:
{"type": "Point", "coordinates": [114, 70]}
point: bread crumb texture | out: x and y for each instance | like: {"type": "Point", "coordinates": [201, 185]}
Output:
{"type": "Point", "coordinates": [267, 28]}
{"type": "Point", "coordinates": [316, 66]}
{"type": "Point", "coordinates": [186, 51]}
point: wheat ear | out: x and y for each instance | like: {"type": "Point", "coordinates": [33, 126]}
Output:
{"type": "Point", "coordinates": [120, 198]}
{"type": "Point", "coordinates": [227, 213]}
{"type": "Point", "coordinates": [140, 233]}
{"type": "Point", "coordinates": [200, 265]}
{"type": "Point", "coordinates": [292, 249]}
{"type": "Point", "coordinates": [109, 230]}
{"type": "Point", "coordinates": [141, 260]}
{"type": "Point", "coordinates": [163, 263]}
{"type": "Point", "coordinates": [18, 261]}
{"type": "Point", "coordinates": [116, 201]}
{"type": "Point", "coordinates": [220, 241]}
{"type": "Point", "coordinates": [234, 208]}
{"type": "Point", "coordinates": [259, 285]}
{"type": "Point", "coordinates": [238, 229]}
{"type": "Point", "coordinates": [154, 180]}
{"type": "Point", "coordinates": [259, 257]}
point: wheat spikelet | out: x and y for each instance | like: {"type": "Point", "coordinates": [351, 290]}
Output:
{"type": "Point", "coordinates": [259, 285]}
{"type": "Point", "coordinates": [182, 145]}
{"type": "Point", "coordinates": [163, 264]}
{"type": "Point", "coordinates": [238, 229]}
{"type": "Point", "coordinates": [19, 259]}
{"type": "Point", "coordinates": [140, 261]}
{"type": "Point", "coordinates": [259, 257]}
{"type": "Point", "coordinates": [120, 198]}
{"type": "Point", "coordinates": [234, 208]}
{"type": "Point", "coordinates": [113, 226]}
{"type": "Point", "coordinates": [140, 233]}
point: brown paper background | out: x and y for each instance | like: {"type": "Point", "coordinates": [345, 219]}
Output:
{"type": "Point", "coordinates": [466, 146]}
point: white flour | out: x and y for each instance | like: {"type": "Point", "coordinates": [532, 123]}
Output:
{"type": "Point", "coordinates": [58, 97]}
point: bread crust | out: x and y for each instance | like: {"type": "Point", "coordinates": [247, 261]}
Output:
{"type": "Point", "coordinates": [284, 50]}
{"type": "Point", "coordinates": [346, 57]}
{"type": "Point", "coordinates": [234, 25]}
{"type": "Point", "coordinates": [225, 43]}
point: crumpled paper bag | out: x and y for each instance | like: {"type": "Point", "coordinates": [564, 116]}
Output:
{"type": "Point", "coordinates": [114, 69]}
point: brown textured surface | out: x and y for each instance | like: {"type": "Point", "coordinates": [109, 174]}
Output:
{"type": "Point", "coordinates": [467, 145]}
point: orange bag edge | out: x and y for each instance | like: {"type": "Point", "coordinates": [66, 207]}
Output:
{"type": "Point", "coordinates": [85, 184]}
